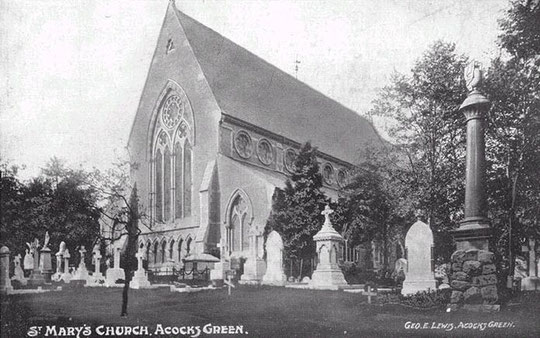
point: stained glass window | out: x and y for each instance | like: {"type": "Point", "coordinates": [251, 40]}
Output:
{"type": "Point", "coordinates": [243, 144]}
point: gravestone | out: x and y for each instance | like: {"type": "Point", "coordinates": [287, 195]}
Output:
{"type": "Point", "coordinates": [274, 260]}
{"type": "Point", "coordinates": [5, 282]}
{"type": "Point", "coordinates": [59, 260]}
{"type": "Point", "coordinates": [328, 274]}
{"type": "Point", "coordinates": [18, 271]}
{"type": "Point", "coordinates": [418, 243]}
{"type": "Point", "coordinates": [45, 261]}
{"type": "Point", "coordinates": [66, 276]}
{"type": "Point", "coordinates": [140, 279]}
{"type": "Point", "coordinates": [97, 278]}
{"type": "Point", "coordinates": [532, 281]}
{"type": "Point", "coordinates": [36, 277]}
{"type": "Point", "coordinates": [81, 274]}
{"type": "Point", "coordinates": [28, 263]}
{"type": "Point", "coordinates": [115, 273]}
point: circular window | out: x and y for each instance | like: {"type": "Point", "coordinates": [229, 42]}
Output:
{"type": "Point", "coordinates": [342, 178]}
{"type": "Point", "coordinates": [290, 157]}
{"type": "Point", "coordinates": [243, 144]}
{"type": "Point", "coordinates": [172, 111]}
{"type": "Point", "coordinates": [328, 174]}
{"type": "Point", "coordinates": [265, 152]}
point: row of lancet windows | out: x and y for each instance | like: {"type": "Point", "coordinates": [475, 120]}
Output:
{"type": "Point", "coordinates": [163, 252]}
{"type": "Point", "coordinates": [173, 181]}
{"type": "Point", "coordinates": [173, 158]}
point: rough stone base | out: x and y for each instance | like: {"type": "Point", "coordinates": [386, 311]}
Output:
{"type": "Point", "coordinates": [411, 287]}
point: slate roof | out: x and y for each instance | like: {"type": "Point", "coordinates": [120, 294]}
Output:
{"type": "Point", "coordinates": [249, 88]}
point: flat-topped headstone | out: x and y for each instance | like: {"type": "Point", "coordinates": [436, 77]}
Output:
{"type": "Point", "coordinates": [418, 243]}
{"type": "Point", "coordinates": [274, 260]}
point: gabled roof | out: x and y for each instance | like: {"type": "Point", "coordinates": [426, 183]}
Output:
{"type": "Point", "coordinates": [249, 88]}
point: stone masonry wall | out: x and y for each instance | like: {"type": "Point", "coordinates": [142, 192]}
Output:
{"type": "Point", "coordinates": [473, 278]}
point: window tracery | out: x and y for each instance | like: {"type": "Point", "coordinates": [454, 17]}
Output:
{"type": "Point", "coordinates": [243, 144]}
{"type": "Point", "coordinates": [172, 159]}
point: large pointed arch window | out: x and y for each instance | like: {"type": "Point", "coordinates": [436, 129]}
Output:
{"type": "Point", "coordinates": [172, 154]}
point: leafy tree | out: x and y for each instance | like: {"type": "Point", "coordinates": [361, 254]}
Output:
{"type": "Point", "coordinates": [513, 86]}
{"type": "Point", "coordinates": [427, 130]}
{"type": "Point", "coordinates": [63, 206]}
{"type": "Point", "coordinates": [372, 206]}
{"type": "Point", "coordinates": [296, 210]}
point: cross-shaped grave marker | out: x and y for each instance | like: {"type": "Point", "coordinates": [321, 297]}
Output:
{"type": "Point", "coordinates": [369, 294]}
{"type": "Point", "coordinates": [229, 282]}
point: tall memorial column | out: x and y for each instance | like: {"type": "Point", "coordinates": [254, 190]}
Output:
{"type": "Point", "coordinates": [474, 231]}
{"type": "Point", "coordinates": [473, 276]}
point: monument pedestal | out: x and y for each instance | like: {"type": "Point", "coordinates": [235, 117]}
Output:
{"type": "Point", "coordinates": [46, 264]}
{"type": "Point", "coordinates": [140, 280]}
{"type": "Point", "coordinates": [112, 275]}
{"type": "Point", "coordinates": [253, 271]}
{"type": "Point", "coordinates": [328, 274]}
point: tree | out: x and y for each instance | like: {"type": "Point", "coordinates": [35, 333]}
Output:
{"type": "Point", "coordinates": [513, 86]}
{"type": "Point", "coordinates": [124, 217]}
{"type": "Point", "coordinates": [371, 206]}
{"type": "Point", "coordinates": [64, 206]}
{"type": "Point", "coordinates": [427, 129]}
{"type": "Point", "coordinates": [296, 210]}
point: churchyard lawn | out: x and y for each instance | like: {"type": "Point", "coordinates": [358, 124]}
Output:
{"type": "Point", "coordinates": [261, 311]}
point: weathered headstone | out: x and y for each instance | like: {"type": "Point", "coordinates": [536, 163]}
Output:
{"type": "Point", "coordinates": [97, 278]}
{"type": "Point", "coordinates": [328, 274]}
{"type": "Point", "coordinates": [5, 282]}
{"type": "Point", "coordinates": [18, 274]}
{"type": "Point", "coordinates": [140, 279]}
{"type": "Point", "coordinates": [274, 260]}
{"type": "Point", "coordinates": [418, 243]}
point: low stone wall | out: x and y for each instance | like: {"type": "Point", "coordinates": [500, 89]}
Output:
{"type": "Point", "coordinates": [473, 278]}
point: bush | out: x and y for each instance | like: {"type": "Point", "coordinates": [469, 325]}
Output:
{"type": "Point", "coordinates": [420, 300]}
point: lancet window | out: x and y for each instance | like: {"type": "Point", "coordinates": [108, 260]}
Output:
{"type": "Point", "coordinates": [172, 155]}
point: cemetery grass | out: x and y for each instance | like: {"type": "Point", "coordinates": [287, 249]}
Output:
{"type": "Point", "coordinates": [263, 311]}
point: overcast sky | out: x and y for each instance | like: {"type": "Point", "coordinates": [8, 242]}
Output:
{"type": "Point", "coordinates": [72, 71]}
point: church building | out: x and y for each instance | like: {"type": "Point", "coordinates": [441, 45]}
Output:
{"type": "Point", "coordinates": [216, 131]}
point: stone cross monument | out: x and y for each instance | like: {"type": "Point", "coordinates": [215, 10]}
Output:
{"type": "Point", "coordinates": [328, 274]}
{"type": "Point", "coordinates": [140, 279]}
